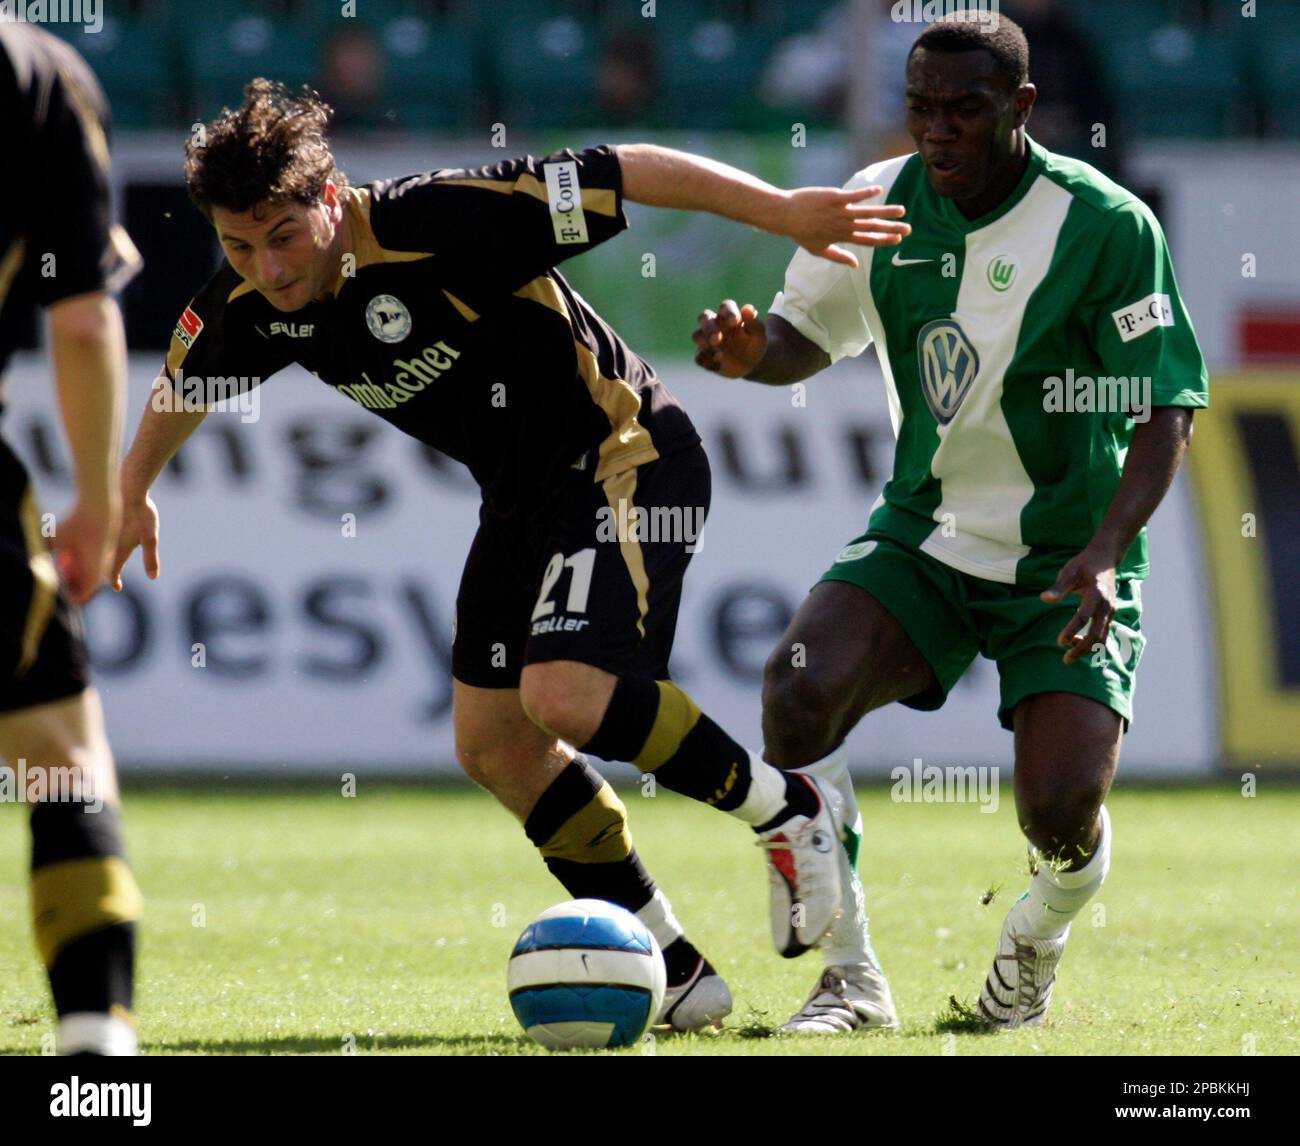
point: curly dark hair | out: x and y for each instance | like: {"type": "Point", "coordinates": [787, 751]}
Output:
{"type": "Point", "coordinates": [971, 30]}
{"type": "Point", "coordinates": [272, 149]}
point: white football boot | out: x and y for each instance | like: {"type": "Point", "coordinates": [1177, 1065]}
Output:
{"type": "Point", "coordinates": [804, 872]}
{"type": "Point", "coordinates": [850, 998]}
{"type": "Point", "coordinates": [853, 993]}
{"type": "Point", "coordinates": [1018, 990]}
{"type": "Point", "coordinates": [703, 1000]}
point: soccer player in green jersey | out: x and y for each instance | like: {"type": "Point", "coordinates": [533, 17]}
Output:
{"type": "Point", "coordinates": [1041, 372]}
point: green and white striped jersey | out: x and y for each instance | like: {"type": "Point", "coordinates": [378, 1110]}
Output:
{"type": "Point", "coordinates": [1017, 349]}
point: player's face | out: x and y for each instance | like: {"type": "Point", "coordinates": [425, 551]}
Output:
{"type": "Point", "coordinates": [286, 251]}
{"type": "Point", "coordinates": [964, 122]}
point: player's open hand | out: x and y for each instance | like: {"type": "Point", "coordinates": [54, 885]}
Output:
{"type": "Point", "coordinates": [1090, 575]}
{"type": "Point", "coordinates": [730, 341]}
{"type": "Point", "coordinates": [139, 527]}
{"type": "Point", "coordinates": [817, 218]}
{"type": "Point", "coordinates": [83, 548]}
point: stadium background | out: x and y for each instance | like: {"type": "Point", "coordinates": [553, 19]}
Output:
{"type": "Point", "coordinates": [286, 635]}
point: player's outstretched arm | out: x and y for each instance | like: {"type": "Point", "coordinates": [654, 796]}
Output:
{"type": "Point", "coordinates": [734, 342]}
{"type": "Point", "coordinates": [89, 355]}
{"type": "Point", "coordinates": [817, 218]}
{"type": "Point", "coordinates": [1154, 455]}
{"type": "Point", "coordinates": [163, 429]}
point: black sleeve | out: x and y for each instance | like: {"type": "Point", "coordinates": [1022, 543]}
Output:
{"type": "Point", "coordinates": [219, 346]}
{"type": "Point", "coordinates": [501, 226]}
{"type": "Point", "coordinates": [72, 241]}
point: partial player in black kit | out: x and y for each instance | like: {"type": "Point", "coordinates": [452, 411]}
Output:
{"type": "Point", "coordinates": [434, 302]}
{"type": "Point", "coordinates": [61, 251]}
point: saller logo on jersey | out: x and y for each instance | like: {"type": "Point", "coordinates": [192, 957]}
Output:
{"type": "Point", "coordinates": [564, 194]}
{"type": "Point", "coordinates": [948, 365]}
{"type": "Point", "coordinates": [1145, 314]}
{"type": "Point", "coordinates": [187, 330]}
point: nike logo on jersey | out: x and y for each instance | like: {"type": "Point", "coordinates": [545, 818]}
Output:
{"type": "Point", "coordinates": [900, 262]}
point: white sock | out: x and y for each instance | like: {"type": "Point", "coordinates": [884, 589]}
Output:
{"type": "Point", "coordinates": [93, 1032]}
{"type": "Point", "coordinates": [1054, 898]}
{"type": "Point", "coordinates": [658, 916]}
{"type": "Point", "coordinates": [766, 795]}
{"type": "Point", "coordinates": [849, 941]}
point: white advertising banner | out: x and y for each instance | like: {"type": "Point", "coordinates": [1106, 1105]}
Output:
{"type": "Point", "coordinates": [311, 555]}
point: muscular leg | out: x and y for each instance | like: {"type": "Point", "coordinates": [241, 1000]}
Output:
{"type": "Point", "coordinates": [842, 656]}
{"type": "Point", "coordinates": [657, 728]}
{"type": "Point", "coordinates": [569, 813]}
{"type": "Point", "coordinates": [84, 899]}
{"type": "Point", "coordinates": [501, 750]}
{"type": "Point", "coordinates": [64, 733]}
{"type": "Point", "coordinates": [1067, 748]}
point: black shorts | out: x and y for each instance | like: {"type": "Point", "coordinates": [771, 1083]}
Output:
{"type": "Point", "coordinates": [598, 579]}
{"type": "Point", "coordinates": [42, 655]}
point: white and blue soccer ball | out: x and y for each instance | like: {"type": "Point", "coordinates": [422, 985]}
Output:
{"type": "Point", "coordinates": [586, 974]}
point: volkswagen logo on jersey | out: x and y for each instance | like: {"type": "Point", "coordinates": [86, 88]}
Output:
{"type": "Point", "coordinates": [388, 318]}
{"type": "Point", "coordinates": [948, 365]}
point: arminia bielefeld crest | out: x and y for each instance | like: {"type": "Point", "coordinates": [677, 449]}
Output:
{"type": "Point", "coordinates": [948, 364]}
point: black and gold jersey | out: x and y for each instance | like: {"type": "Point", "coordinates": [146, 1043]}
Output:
{"type": "Point", "coordinates": [450, 321]}
{"type": "Point", "coordinates": [57, 235]}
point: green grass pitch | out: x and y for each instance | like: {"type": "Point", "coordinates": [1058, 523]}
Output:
{"type": "Point", "coordinates": [292, 920]}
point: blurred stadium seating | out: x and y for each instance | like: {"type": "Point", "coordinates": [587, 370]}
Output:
{"type": "Point", "coordinates": [167, 63]}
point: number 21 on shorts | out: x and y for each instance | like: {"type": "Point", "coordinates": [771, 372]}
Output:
{"type": "Point", "coordinates": [582, 564]}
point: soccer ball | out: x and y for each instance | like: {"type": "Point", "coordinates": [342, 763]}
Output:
{"type": "Point", "coordinates": [586, 974]}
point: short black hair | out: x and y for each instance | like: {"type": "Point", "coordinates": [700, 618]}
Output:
{"type": "Point", "coordinates": [973, 29]}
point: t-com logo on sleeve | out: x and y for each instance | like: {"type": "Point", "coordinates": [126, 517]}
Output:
{"type": "Point", "coordinates": [564, 194]}
{"type": "Point", "coordinates": [1145, 314]}
{"type": "Point", "coordinates": [948, 365]}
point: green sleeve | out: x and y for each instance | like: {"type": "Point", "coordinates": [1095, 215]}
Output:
{"type": "Point", "coordinates": [1139, 324]}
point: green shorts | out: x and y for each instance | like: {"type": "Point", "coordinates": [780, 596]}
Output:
{"type": "Point", "coordinates": [952, 616]}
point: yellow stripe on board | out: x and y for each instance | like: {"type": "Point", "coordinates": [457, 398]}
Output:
{"type": "Point", "coordinates": [1260, 713]}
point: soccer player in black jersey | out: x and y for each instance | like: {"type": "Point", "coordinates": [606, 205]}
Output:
{"type": "Point", "coordinates": [433, 301]}
{"type": "Point", "coordinates": [60, 250]}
